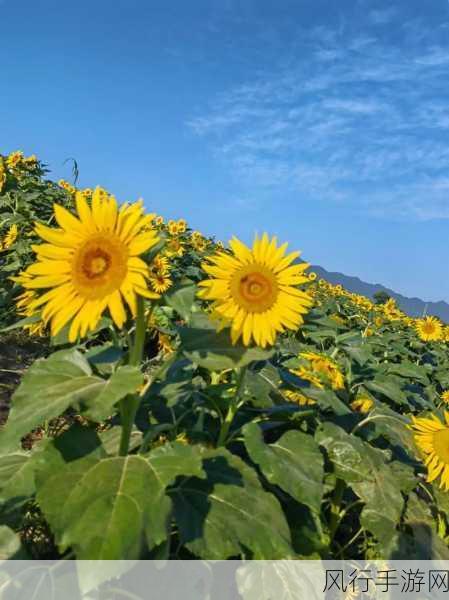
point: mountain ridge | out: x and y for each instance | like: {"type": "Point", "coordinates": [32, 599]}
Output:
{"type": "Point", "coordinates": [413, 306]}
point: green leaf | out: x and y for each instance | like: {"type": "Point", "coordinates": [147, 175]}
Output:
{"type": "Point", "coordinates": [51, 385]}
{"type": "Point", "coordinates": [126, 380]}
{"type": "Point", "coordinates": [117, 501]}
{"type": "Point", "coordinates": [229, 513]}
{"type": "Point", "coordinates": [294, 463]}
{"type": "Point", "coordinates": [388, 389]}
{"type": "Point", "coordinates": [346, 453]}
{"type": "Point", "coordinates": [48, 388]}
{"type": "Point", "coordinates": [9, 543]}
{"type": "Point", "coordinates": [215, 352]}
{"type": "Point", "coordinates": [16, 477]}
{"type": "Point", "coordinates": [409, 370]}
{"type": "Point", "coordinates": [181, 298]}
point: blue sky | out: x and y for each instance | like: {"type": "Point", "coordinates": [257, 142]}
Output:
{"type": "Point", "coordinates": [324, 122]}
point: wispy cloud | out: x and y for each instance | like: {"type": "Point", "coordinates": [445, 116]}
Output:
{"type": "Point", "coordinates": [357, 117]}
{"type": "Point", "coordinates": [383, 16]}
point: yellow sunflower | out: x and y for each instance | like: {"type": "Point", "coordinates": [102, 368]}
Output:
{"type": "Point", "coordinates": [182, 225]}
{"type": "Point", "coordinates": [10, 237]}
{"type": "Point", "coordinates": [2, 174]}
{"type": "Point", "coordinates": [253, 290]}
{"type": "Point", "coordinates": [174, 247]}
{"type": "Point", "coordinates": [445, 396]}
{"type": "Point", "coordinates": [298, 398]}
{"type": "Point", "coordinates": [160, 282]}
{"type": "Point", "coordinates": [429, 329]}
{"type": "Point", "coordinates": [362, 404]}
{"type": "Point", "coordinates": [173, 228]}
{"type": "Point", "coordinates": [160, 264]}
{"type": "Point", "coordinates": [432, 438]}
{"type": "Point", "coordinates": [323, 366]}
{"type": "Point", "coordinates": [14, 159]}
{"type": "Point", "coordinates": [91, 263]}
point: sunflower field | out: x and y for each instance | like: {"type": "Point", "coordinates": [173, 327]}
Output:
{"type": "Point", "coordinates": [190, 399]}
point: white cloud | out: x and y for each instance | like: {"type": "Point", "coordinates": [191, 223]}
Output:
{"type": "Point", "coordinates": [357, 120]}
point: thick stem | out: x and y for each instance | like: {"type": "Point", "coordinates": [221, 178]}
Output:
{"type": "Point", "coordinates": [335, 515]}
{"type": "Point", "coordinates": [136, 352]}
{"type": "Point", "coordinates": [232, 410]}
{"type": "Point", "coordinates": [130, 404]}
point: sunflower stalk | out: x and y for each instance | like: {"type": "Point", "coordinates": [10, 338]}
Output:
{"type": "Point", "coordinates": [233, 408]}
{"type": "Point", "coordinates": [130, 404]}
{"type": "Point", "coordinates": [335, 508]}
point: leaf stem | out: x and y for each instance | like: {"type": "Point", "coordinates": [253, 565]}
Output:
{"type": "Point", "coordinates": [232, 409]}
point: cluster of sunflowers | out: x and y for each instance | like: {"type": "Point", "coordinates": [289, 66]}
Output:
{"type": "Point", "coordinates": [110, 258]}
{"type": "Point", "coordinates": [14, 163]}
{"type": "Point", "coordinates": [374, 316]}
{"type": "Point", "coordinates": [93, 263]}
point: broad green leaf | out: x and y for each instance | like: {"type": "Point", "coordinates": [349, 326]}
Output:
{"type": "Point", "coordinates": [214, 350]}
{"type": "Point", "coordinates": [181, 298]}
{"type": "Point", "coordinates": [229, 513]}
{"type": "Point", "coordinates": [51, 385]}
{"type": "Point", "coordinates": [280, 580]}
{"type": "Point", "coordinates": [16, 477]}
{"type": "Point", "coordinates": [389, 389]}
{"type": "Point", "coordinates": [409, 370]}
{"type": "Point", "coordinates": [345, 451]}
{"type": "Point", "coordinates": [9, 543]}
{"type": "Point", "coordinates": [294, 462]}
{"type": "Point", "coordinates": [371, 478]}
{"type": "Point", "coordinates": [117, 501]}
{"type": "Point", "coordinates": [126, 380]}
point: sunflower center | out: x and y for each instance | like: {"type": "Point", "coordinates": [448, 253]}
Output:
{"type": "Point", "coordinates": [99, 266]}
{"type": "Point", "coordinates": [441, 444]}
{"type": "Point", "coordinates": [96, 263]}
{"type": "Point", "coordinates": [254, 288]}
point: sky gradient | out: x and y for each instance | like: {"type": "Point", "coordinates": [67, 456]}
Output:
{"type": "Point", "coordinates": [326, 123]}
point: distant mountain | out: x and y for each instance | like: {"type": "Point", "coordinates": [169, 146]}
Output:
{"type": "Point", "coordinates": [415, 307]}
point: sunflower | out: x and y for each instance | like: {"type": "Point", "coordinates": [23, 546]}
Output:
{"type": "Point", "coordinates": [298, 398]}
{"type": "Point", "coordinates": [429, 329]}
{"type": "Point", "coordinates": [158, 221]}
{"type": "Point", "coordinates": [2, 174]}
{"type": "Point", "coordinates": [253, 290]}
{"type": "Point", "coordinates": [165, 344]}
{"type": "Point", "coordinates": [9, 238]}
{"type": "Point", "coordinates": [160, 264]}
{"type": "Point", "coordinates": [182, 225]}
{"type": "Point", "coordinates": [362, 404]}
{"type": "Point", "coordinates": [445, 396]}
{"type": "Point", "coordinates": [160, 282]}
{"type": "Point", "coordinates": [91, 263]}
{"type": "Point", "coordinates": [173, 228]}
{"type": "Point", "coordinates": [67, 186]}
{"type": "Point", "coordinates": [432, 438]}
{"type": "Point", "coordinates": [14, 159]}
{"type": "Point", "coordinates": [174, 247]}
{"type": "Point", "coordinates": [324, 367]}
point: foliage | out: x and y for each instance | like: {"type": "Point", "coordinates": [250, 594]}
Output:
{"type": "Point", "coordinates": [206, 449]}
{"type": "Point", "coordinates": [25, 198]}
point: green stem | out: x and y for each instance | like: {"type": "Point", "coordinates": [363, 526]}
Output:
{"type": "Point", "coordinates": [232, 410]}
{"type": "Point", "coordinates": [335, 516]}
{"type": "Point", "coordinates": [130, 404]}
{"type": "Point", "coordinates": [136, 353]}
